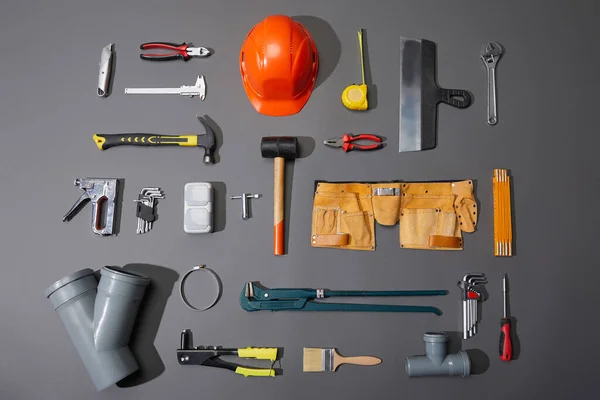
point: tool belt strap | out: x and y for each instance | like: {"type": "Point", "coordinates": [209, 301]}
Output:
{"type": "Point", "coordinates": [445, 241]}
{"type": "Point", "coordinates": [341, 239]}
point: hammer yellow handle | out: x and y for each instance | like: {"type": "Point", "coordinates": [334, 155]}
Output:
{"type": "Point", "coordinates": [143, 139]}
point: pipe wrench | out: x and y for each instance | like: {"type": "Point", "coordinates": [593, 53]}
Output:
{"type": "Point", "coordinates": [255, 297]}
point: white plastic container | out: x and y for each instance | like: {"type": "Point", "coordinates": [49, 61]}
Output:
{"type": "Point", "coordinates": [198, 207]}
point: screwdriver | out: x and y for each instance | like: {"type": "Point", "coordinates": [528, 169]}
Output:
{"type": "Point", "coordinates": [505, 340]}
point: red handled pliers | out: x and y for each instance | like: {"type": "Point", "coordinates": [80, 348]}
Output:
{"type": "Point", "coordinates": [345, 142]}
{"type": "Point", "coordinates": [177, 51]}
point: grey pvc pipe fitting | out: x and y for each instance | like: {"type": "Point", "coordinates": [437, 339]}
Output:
{"type": "Point", "coordinates": [436, 360]}
{"type": "Point", "coordinates": [99, 319]}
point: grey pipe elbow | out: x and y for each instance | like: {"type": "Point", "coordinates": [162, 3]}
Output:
{"type": "Point", "coordinates": [436, 360]}
{"type": "Point", "coordinates": [99, 318]}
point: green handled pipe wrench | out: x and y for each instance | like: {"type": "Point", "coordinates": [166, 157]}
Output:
{"type": "Point", "coordinates": [255, 297]}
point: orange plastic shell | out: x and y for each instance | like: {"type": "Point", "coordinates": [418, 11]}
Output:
{"type": "Point", "coordinates": [278, 65]}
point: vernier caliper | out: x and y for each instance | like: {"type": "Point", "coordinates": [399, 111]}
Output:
{"type": "Point", "coordinates": [199, 89]}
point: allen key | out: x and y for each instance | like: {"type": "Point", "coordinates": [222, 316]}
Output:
{"type": "Point", "coordinates": [146, 209]}
{"type": "Point", "coordinates": [472, 287]}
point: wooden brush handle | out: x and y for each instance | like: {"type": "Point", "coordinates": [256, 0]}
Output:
{"type": "Point", "coordinates": [358, 360]}
{"type": "Point", "coordinates": [278, 205]}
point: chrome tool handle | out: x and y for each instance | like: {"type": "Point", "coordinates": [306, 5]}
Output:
{"type": "Point", "coordinates": [490, 56]}
{"type": "Point", "coordinates": [492, 110]}
{"type": "Point", "coordinates": [83, 198]}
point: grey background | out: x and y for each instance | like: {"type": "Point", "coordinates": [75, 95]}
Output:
{"type": "Point", "coordinates": [547, 136]}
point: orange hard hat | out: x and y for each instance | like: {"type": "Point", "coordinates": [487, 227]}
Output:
{"type": "Point", "coordinates": [279, 65]}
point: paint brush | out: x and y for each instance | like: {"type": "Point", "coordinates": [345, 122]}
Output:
{"type": "Point", "coordinates": [328, 360]}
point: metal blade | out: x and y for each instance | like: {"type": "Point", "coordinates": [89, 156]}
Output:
{"type": "Point", "coordinates": [199, 89]}
{"type": "Point", "coordinates": [153, 91]}
{"type": "Point", "coordinates": [411, 66]}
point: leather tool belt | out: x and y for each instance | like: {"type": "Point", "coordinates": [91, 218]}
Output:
{"type": "Point", "coordinates": [432, 215]}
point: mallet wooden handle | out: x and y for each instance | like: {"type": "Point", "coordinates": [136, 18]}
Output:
{"type": "Point", "coordinates": [278, 206]}
{"type": "Point", "coordinates": [279, 148]}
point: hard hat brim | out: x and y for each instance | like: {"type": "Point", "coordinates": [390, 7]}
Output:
{"type": "Point", "coordinates": [278, 108]}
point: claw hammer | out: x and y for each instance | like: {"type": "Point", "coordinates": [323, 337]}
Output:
{"type": "Point", "coordinates": [206, 140]}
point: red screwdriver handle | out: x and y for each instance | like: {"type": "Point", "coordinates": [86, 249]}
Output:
{"type": "Point", "coordinates": [505, 340]}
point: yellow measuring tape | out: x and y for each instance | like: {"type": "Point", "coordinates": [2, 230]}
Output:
{"type": "Point", "coordinates": [354, 97]}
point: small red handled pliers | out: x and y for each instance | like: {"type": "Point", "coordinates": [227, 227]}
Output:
{"type": "Point", "coordinates": [345, 142]}
{"type": "Point", "coordinates": [178, 51]}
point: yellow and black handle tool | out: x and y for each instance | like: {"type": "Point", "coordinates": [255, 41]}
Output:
{"type": "Point", "coordinates": [208, 356]}
{"type": "Point", "coordinates": [206, 140]}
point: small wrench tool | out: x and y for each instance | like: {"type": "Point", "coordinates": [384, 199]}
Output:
{"type": "Point", "coordinates": [199, 89]}
{"type": "Point", "coordinates": [146, 208]}
{"type": "Point", "coordinates": [489, 57]}
{"type": "Point", "coordinates": [473, 291]}
{"type": "Point", "coordinates": [245, 197]}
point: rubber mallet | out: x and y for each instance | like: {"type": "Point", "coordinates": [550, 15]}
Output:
{"type": "Point", "coordinates": [280, 148]}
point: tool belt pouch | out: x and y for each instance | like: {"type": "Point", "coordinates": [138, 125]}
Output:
{"type": "Point", "coordinates": [343, 216]}
{"type": "Point", "coordinates": [434, 215]}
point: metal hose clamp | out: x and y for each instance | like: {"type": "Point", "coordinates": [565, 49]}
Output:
{"type": "Point", "coordinates": [182, 284]}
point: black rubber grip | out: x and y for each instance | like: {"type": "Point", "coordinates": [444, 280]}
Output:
{"type": "Point", "coordinates": [368, 147]}
{"type": "Point", "coordinates": [163, 57]}
{"type": "Point", "coordinates": [456, 97]}
{"type": "Point", "coordinates": [145, 212]}
{"type": "Point", "coordinates": [136, 139]}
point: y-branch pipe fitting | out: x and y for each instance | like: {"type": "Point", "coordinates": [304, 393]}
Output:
{"type": "Point", "coordinates": [436, 360]}
{"type": "Point", "coordinates": [99, 318]}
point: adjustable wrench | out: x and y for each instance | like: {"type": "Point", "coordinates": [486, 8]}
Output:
{"type": "Point", "coordinates": [489, 57]}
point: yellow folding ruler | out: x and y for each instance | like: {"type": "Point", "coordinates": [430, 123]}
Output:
{"type": "Point", "coordinates": [502, 213]}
